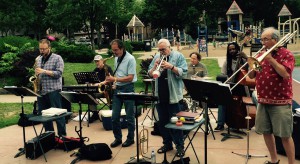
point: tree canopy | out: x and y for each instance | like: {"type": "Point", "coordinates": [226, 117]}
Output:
{"type": "Point", "coordinates": [35, 17]}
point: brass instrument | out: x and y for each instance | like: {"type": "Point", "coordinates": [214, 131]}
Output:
{"type": "Point", "coordinates": [156, 73]}
{"type": "Point", "coordinates": [254, 63]}
{"type": "Point", "coordinates": [143, 141]}
{"type": "Point", "coordinates": [102, 88]}
{"type": "Point", "coordinates": [35, 78]}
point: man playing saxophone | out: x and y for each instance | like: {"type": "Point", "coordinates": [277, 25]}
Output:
{"type": "Point", "coordinates": [49, 70]}
{"type": "Point", "coordinates": [102, 70]}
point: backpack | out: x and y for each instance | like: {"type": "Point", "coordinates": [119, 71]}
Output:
{"type": "Point", "coordinates": [93, 152]}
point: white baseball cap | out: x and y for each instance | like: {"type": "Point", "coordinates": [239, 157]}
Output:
{"type": "Point", "coordinates": [98, 57]}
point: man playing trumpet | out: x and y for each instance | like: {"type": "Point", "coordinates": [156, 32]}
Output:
{"type": "Point", "coordinates": [169, 91]}
{"type": "Point", "coordinates": [274, 91]}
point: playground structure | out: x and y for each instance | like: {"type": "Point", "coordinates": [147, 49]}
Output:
{"type": "Point", "coordinates": [170, 35]}
{"type": "Point", "coordinates": [236, 27]}
{"type": "Point", "coordinates": [291, 24]}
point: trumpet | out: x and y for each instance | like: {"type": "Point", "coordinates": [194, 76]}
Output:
{"type": "Point", "coordinates": [158, 69]}
{"type": "Point", "coordinates": [143, 141]}
{"type": "Point", "coordinates": [254, 63]}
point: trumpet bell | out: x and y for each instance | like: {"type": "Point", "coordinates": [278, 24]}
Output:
{"type": "Point", "coordinates": [156, 74]}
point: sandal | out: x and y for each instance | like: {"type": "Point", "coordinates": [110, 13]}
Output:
{"type": "Point", "coordinates": [164, 149]}
{"type": "Point", "coordinates": [269, 162]}
{"type": "Point", "coordinates": [180, 152]}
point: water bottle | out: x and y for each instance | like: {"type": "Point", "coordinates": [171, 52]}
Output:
{"type": "Point", "coordinates": [153, 157]}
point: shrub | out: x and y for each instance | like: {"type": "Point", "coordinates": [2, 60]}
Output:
{"type": "Point", "coordinates": [138, 46]}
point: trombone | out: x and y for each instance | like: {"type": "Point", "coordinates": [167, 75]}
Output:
{"type": "Point", "coordinates": [254, 62]}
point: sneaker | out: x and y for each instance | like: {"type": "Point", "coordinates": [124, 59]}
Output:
{"type": "Point", "coordinates": [269, 162]}
{"type": "Point", "coordinates": [219, 128]}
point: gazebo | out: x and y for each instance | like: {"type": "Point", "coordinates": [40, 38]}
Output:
{"type": "Point", "coordinates": [135, 29]}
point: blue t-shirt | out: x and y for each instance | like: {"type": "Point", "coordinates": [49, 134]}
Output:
{"type": "Point", "coordinates": [126, 67]}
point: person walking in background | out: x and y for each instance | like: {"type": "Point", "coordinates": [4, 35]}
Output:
{"type": "Point", "coordinates": [169, 91]}
{"type": "Point", "coordinates": [274, 95]}
{"type": "Point", "coordinates": [124, 79]}
{"type": "Point", "coordinates": [178, 40]}
{"type": "Point", "coordinates": [49, 70]}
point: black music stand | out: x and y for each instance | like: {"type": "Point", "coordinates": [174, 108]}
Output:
{"type": "Point", "coordinates": [21, 91]}
{"type": "Point", "coordinates": [139, 99]}
{"type": "Point", "coordinates": [80, 98]}
{"type": "Point", "coordinates": [152, 118]}
{"type": "Point", "coordinates": [208, 92]}
{"type": "Point", "coordinates": [86, 78]}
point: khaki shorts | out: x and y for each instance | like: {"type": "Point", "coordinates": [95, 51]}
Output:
{"type": "Point", "coordinates": [274, 119]}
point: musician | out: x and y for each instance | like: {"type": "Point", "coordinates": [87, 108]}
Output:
{"type": "Point", "coordinates": [234, 60]}
{"type": "Point", "coordinates": [100, 65]}
{"type": "Point", "coordinates": [169, 91]}
{"type": "Point", "coordinates": [196, 68]}
{"type": "Point", "coordinates": [49, 69]}
{"type": "Point", "coordinates": [274, 95]}
{"type": "Point", "coordinates": [99, 61]}
{"type": "Point", "coordinates": [124, 79]}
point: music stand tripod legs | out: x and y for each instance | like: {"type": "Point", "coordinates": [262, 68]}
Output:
{"type": "Point", "coordinates": [22, 150]}
{"type": "Point", "coordinates": [247, 155]}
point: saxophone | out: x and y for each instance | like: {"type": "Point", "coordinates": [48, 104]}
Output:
{"type": "Point", "coordinates": [105, 88]}
{"type": "Point", "coordinates": [35, 78]}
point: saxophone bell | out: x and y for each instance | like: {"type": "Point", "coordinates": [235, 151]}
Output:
{"type": "Point", "coordinates": [35, 78]}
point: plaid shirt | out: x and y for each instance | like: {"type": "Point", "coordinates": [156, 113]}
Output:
{"type": "Point", "coordinates": [51, 83]}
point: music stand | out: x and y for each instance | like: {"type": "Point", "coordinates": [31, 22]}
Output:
{"type": "Point", "coordinates": [80, 98]}
{"type": "Point", "coordinates": [208, 92]}
{"type": "Point", "coordinates": [21, 91]}
{"type": "Point", "coordinates": [86, 78]}
{"type": "Point", "coordinates": [139, 99]}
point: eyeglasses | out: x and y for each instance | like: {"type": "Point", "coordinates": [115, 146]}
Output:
{"type": "Point", "coordinates": [265, 39]}
{"type": "Point", "coordinates": [43, 49]}
{"type": "Point", "coordinates": [161, 50]}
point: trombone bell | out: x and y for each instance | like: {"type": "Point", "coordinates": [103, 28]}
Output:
{"type": "Point", "coordinates": [254, 63]}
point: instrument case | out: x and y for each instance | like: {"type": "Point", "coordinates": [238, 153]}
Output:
{"type": "Point", "coordinates": [105, 117]}
{"type": "Point", "coordinates": [33, 149]}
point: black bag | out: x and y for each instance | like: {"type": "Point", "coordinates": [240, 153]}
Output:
{"type": "Point", "coordinates": [23, 120]}
{"type": "Point", "coordinates": [93, 152]}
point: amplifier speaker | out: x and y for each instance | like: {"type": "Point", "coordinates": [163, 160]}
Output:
{"type": "Point", "coordinates": [33, 149]}
{"type": "Point", "coordinates": [296, 138]}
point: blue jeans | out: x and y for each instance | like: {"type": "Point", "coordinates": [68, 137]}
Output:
{"type": "Point", "coordinates": [221, 115]}
{"type": "Point", "coordinates": [165, 112]}
{"type": "Point", "coordinates": [116, 112]}
{"type": "Point", "coordinates": [52, 99]}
